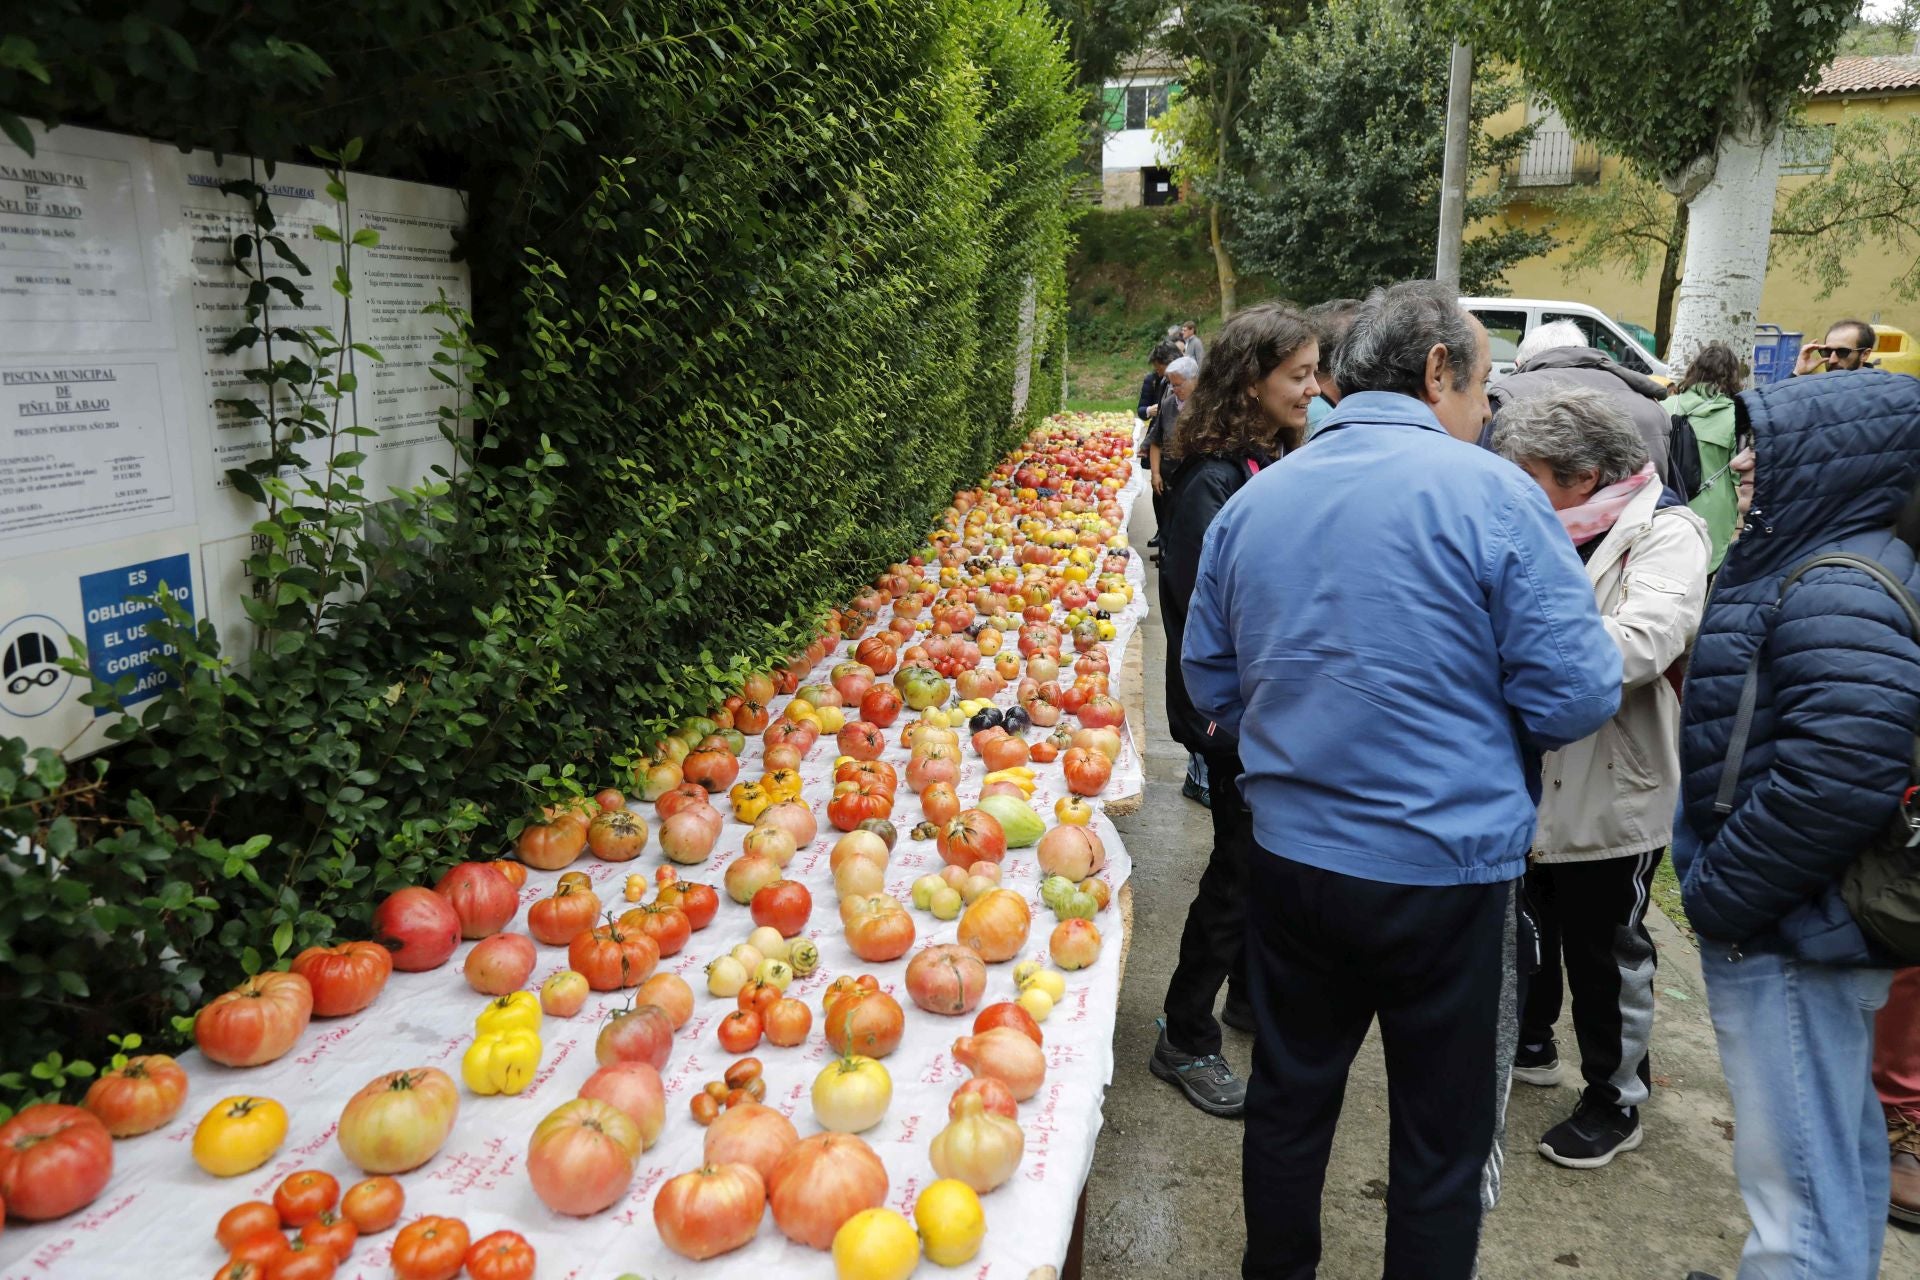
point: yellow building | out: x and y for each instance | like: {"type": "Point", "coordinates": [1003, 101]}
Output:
{"type": "Point", "coordinates": [1556, 160]}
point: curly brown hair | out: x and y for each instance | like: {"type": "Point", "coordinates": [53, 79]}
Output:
{"type": "Point", "coordinates": [1716, 368]}
{"type": "Point", "coordinates": [1220, 417]}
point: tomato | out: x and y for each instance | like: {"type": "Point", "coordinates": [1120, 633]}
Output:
{"type": "Point", "coordinates": [758, 997]}
{"type": "Point", "coordinates": [939, 804]}
{"type": "Point", "coordinates": [241, 1271]}
{"type": "Point", "coordinates": [740, 1031]}
{"type": "Point", "coordinates": [878, 928]}
{"type": "Point", "coordinates": [640, 1034]}
{"type": "Point", "coordinates": [712, 769]}
{"type": "Point", "coordinates": [305, 1261]}
{"type": "Point", "coordinates": [345, 977]}
{"type": "Point", "coordinates": [398, 1121]}
{"type": "Point", "coordinates": [244, 1221]}
{"type": "Point", "coordinates": [332, 1232]}
{"type": "Point", "coordinates": [239, 1134]}
{"type": "Point", "coordinates": [550, 846]}
{"type": "Point", "coordinates": [138, 1097]}
{"type": "Point", "coordinates": [558, 920]}
{"type": "Point", "coordinates": [515, 872]}
{"type": "Point", "coordinates": [304, 1196]}
{"type": "Point", "coordinates": [617, 836]}
{"type": "Point", "coordinates": [973, 836]}
{"type": "Point", "coordinates": [699, 902]}
{"type": "Point", "coordinates": [862, 740]}
{"type": "Point", "coordinates": [480, 896]}
{"type": "Point", "coordinates": [262, 1250]}
{"type": "Point", "coordinates": [430, 1249]}
{"type": "Point", "coordinates": [713, 1210]}
{"type": "Point", "coordinates": [582, 1156]}
{"type": "Point", "coordinates": [854, 802]}
{"type": "Point", "coordinates": [613, 956]}
{"type": "Point", "coordinates": [869, 1023]}
{"type": "Point", "coordinates": [255, 1022]}
{"type": "Point", "coordinates": [419, 927]}
{"type": "Point", "coordinates": [1086, 771]}
{"type": "Point", "coordinates": [373, 1205]}
{"type": "Point", "coordinates": [784, 905]}
{"type": "Point", "coordinates": [667, 925]}
{"type": "Point", "coordinates": [504, 1255]}
{"type": "Point", "coordinates": [787, 1023]}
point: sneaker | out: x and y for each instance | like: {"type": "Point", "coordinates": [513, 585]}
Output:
{"type": "Point", "coordinates": [1208, 1082]}
{"type": "Point", "coordinates": [1237, 1012]}
{"type": "Point", "coordinates": [1593, 1135]}
{"type": "Point", "coordinates": [1700, 1275]}
{"type": "Point", "coordinates": [1198, 794]}
{"type": "Point", "coordinates": [1537, 1064]}
{"type": "Point", "coordinates": [1903, 1139]}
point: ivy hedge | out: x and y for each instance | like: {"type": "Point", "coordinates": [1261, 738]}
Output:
{"type": "Point", "coordinates": [750, 287]}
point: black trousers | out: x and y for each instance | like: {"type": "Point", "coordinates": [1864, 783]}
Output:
{"type": "Point", "coordinates": [1593, 916]}
{"type": "Point", "coordinates": [1326, 954]}
{"type": "Point", "coordinates": [1213, 943]}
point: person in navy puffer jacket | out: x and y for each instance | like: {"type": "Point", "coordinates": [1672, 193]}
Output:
{"type": "Point", "coordinates": [1791, 981]}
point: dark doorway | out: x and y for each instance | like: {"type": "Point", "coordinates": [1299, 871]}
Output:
{"type": "Point", "coordinates": [1157, 187]}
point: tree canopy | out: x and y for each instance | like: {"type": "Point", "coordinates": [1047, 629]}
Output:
{"type": "Point", "coordinates": [1344, 133]}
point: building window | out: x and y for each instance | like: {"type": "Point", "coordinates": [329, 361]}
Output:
{"type": "Point", "coordinates": [1807, 148]}
{"type": "Point", "coordinates": [1135, 106]}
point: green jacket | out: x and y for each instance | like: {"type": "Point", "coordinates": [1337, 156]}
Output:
{"type": "Point", "coordinates": [1718, 504]}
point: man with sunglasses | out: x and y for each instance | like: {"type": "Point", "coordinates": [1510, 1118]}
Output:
{"type": "Point", "coordinates": [1848, 344]}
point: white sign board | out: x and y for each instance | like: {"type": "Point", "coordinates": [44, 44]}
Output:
{"type": "Point", "coordinates": [117, 294]}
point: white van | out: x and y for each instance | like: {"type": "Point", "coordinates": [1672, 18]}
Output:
{"type": "Point", "coordinates": [1510, 319]}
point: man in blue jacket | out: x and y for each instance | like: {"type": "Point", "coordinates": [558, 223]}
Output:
{"type": "Point", "coordinates": [1393, 622]}
{"type": "Point", "coordinates": [1791, 979]}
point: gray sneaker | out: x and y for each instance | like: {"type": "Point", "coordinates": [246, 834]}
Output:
{"type": "Point", "coordinates": [1208, 1082]}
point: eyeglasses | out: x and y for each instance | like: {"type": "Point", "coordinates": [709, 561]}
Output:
{"type": "Point", "coordinates": [1841, 353]}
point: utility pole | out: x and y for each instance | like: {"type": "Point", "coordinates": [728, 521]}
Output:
{"type": "Point", "coordinates": [1453, 171]}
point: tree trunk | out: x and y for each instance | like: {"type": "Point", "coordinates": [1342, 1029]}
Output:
{"type": "Point", "coordinates": [1223, 264]}
{"type": "Point", "coordinates": [1730, 221]}
{"type": "Point", "coordinates": [1669, 281]}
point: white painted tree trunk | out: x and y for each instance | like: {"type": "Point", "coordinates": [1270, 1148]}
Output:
{"type": "Point", "coordinates": [1729, 224]}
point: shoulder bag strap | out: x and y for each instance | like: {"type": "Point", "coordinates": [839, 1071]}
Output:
{"type": "Point", "coordinates": [1750, 690]}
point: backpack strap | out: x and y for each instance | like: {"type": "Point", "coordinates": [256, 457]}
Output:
{"type": "Point", "coordinates": [1750, 689]}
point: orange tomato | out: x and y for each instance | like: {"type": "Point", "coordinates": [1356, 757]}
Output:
{"type": "Point", "coordinates": [504, 1255]}
{"type": "Point", "coordinates": [304, 1196]}
{"type": "Point", "coordinates": [430, 1248]}
{"type": "Point", "coordinates": [373, 1204]}
{"type": "Point", "coordinates": [244, 1221]}
{"type": "Point", "coordinates": [332, 1232]}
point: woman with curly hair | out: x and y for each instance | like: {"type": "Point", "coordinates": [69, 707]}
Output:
{"type": "Point", "coordinates": [1248, 408]}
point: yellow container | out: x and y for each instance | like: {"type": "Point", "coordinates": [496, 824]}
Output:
{"type": "Point", "coordinates": [1895, 350]}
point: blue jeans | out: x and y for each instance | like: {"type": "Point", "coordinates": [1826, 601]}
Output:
{"type": "Point", "coordinates": [1197, 769]}
{"type": "Point", "coordinates": [1810, 1142]}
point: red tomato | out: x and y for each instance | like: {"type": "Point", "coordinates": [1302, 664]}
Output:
{"type": "Point", "coordinates": [241, 1271]}
{"type": "Point", "coordinates": [244, 1221]}
{"type": "Point", "coordinates": [430, 1249]}
{"type": "Point", "coordinates": [255, 1022]}
{"type": "Point", "coordinates": [613, 956]}
{"type": "Point", "coordinates": [332, 1232]}
{"type": "Point", "coordinates": [666, 924]}
{"type": "Point", "coordinates": [758, 997]}
{"type": "Point", "coordinates": [53, 1159]}
{"type": "Point", "coordinates": [699, 902]}
{"type": "Point", "coordinates": [787, 1023]}
{"type": "Point", "coordinates": [373, 1205]}
{"type": "Point", "coordinates": [304, 1196]}
{"type": "Point", "coordinates": [504, 1255]}
{"type": "Point", "coordinates": [305, 1262]}
{"type": "Point", "coordinates": [263, 1250]}
{"type": "Point", "coordinates": [783, 905]}
{"type": "Point", "coordinates": [139, 1097]}
{"type": "Point", "coordinates": [345, 977]}
{"type": "Point", "coordinates": [740, 1031]}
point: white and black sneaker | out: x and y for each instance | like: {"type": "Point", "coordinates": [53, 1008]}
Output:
{"type": "Point", "coordinates": [1593, 1135]}
{"type": "Point", "coordinates": [1207, 1080]}
{"type": "Point", "coordinates": [1537, 1064]}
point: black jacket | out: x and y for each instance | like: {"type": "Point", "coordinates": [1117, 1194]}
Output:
{"type": "Point", "coordinates": [1152, 387]}
{"type": "Point", "coordinates": [1197, 490]}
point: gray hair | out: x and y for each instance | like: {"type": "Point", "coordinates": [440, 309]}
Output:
{"type": "Point", "coordinates": [1392, 331]}
{"type": "Point", "coordinates": [1175, 333]}
{"type": "Point", "coordinates": [1185, 366]}
{"type": "Point", "coordinates": [1561, 333]}
{"type": "Point", "coordinates": [1571, 430]}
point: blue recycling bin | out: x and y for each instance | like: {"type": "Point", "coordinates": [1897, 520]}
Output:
{"type": "Point", "coordinates": [1774, 353]}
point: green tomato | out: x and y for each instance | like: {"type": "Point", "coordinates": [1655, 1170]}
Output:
{"type": "Point", "coordinates": [923, 890]}
{"type": "Point", "coordinates": [945, 902]}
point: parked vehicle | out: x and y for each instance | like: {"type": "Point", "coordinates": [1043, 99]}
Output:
{"type": "Point", "coordinates": [1508, 320]}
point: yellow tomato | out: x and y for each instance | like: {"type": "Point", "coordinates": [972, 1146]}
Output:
{"type": "Point", "coordinates": [951, 1221]}
{"type": "Point", "coordinates": [832, 719]}
{"type": "Point", "coordinates": [799, 709]}
{"type": "Point", "coordinates": [1051, 981]}
{"type": "Point", "coordinates": [518, 1011]}
{"type": "Point", "coordinates": [503, 1062]}
{"type": "Point", "coordinates": [1072, 811]}
{"type": "Point", "coordinates": [750, 800]}
{"type": "Point", "coordinates": [875, 1244]}
{"type": "Point", "coordinates": [782, 785]}
{"type": "Point", "coordinates": [239, 1134]}
{"type": "Point", "coordinates": [1035, 1000]}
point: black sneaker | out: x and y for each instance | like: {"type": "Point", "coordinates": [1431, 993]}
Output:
{"type": "Point", "coordinates": [1208, 1082]}
{"type": "Point", "coordinates": [1237, 1013]}
{"type": "Point", "coordinates": [1593, 1135]}
{"type": "Point", "coordinates": [1200, 795]}
{"type": "Point", "coordinates": [1537, 1064]}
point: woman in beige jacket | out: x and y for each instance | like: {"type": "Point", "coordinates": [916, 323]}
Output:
{"type": "Point", "coordinates": [1607, 802]}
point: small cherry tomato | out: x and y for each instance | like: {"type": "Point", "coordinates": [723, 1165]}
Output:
{"type": "Point", "coordinates": [757, 1089]}
{"type": "Point", "coordinates": [254, 1218]}
{"type": "Point", "coordinates": [705, 1109]}
{"type": "Point", "coordinates": [717, 1090]}
{"type": "Point", "coordinates": [736, 1097]}
{"type": "Point", "coordinates": [504, 1255]}
{"type": "Point", "coordinates": [739, 1031]}
{"type": "Point", "coordinates": [742, 1071]}
{"type": "Point", "coordinates": [304, 1196]}
{"type": "Point", "coordinates": [373, 1205]}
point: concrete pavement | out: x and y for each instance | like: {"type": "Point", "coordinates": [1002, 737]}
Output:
{"type": "Point", "coordinates": [1164, 1197]}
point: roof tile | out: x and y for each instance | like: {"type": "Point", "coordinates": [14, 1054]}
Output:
{"type": "Point", "coordinates": [1890, 73]}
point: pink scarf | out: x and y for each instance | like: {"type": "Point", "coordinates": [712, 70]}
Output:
{"type": "Point", "coordinates": [1598, 514]}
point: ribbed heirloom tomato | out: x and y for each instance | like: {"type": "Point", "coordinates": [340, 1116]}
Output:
{"type": "Point", "coordinates": [345, 977]}
{"type": "Point", "coordinates": [138, 1097]}
{"type": "Point", "coordinates": [613, 956]}
{"type": "Point", "coordinates": [255, 1022]}
{"type": "Point", "coordinates": [557, 920]}
{"type": "Point", "coordinates": [666, 924]}
{"type": "Point", "coordinates": [504, 1255]}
